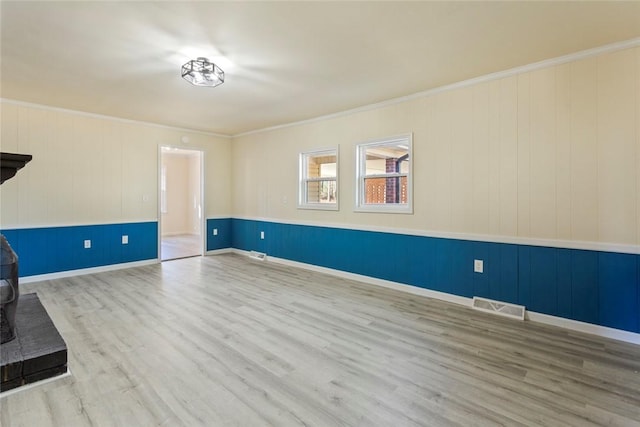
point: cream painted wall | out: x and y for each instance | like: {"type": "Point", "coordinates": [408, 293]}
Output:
{"type": "Point", "coordinates": [177, 218]}
{"type": "Point", "coordinates": [95, 170]}
{"type": "Point", "coordinates": [547, 154]}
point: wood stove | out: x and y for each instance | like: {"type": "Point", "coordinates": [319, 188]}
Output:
{"type": "Point", "coordinates": [31, 348]}
{"type": "Point", "coordinates": [10, 163]}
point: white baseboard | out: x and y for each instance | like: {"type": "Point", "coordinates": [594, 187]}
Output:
{"type": "Point", "coordinates": [71, 273]}
{"type": "Point", "coordinates": [219, 251]}
{"type": "Point", "coordinates": [179, 233]}
{"type": "Point", "coordinates": [587, 328]}
{"type": "Point", "coordinates": [574, 325]}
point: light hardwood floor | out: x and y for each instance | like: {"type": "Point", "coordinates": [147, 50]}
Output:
{"type": "Point", "coordinates": [226, 341]}
{"type": "Point", "coordinates": [180, 246]}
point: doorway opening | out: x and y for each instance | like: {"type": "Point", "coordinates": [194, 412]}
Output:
{"type": "Point", "coordinates": [181, 201]}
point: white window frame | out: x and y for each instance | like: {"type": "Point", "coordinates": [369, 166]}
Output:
{"type": "Point", "coordinates": [303, 179]}
{"type": "Point", "coordinates": [361, 170]}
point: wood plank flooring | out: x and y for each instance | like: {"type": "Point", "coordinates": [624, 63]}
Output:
{"type": "Point", "coordinates": [226, 341]}
{"type": "Point", "coordinates": [180, 246]}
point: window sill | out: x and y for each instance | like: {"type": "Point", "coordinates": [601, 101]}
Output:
{"type": "Point", "coordinates": [407, 210]}
{"type": "Point", "coordinates": [320, 207]}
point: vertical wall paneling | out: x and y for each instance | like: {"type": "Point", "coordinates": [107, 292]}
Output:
{"type": "Point", "coordinates": [442, 153]}
{"type": "Point", "coordinates": [584, 151]}
{"type": "Point", "coordinates": [55, 249]}
{"type": "Point", "coordinates": [544, 279]}
{"type": "Point", "coordinates": [426, 164]}
{"type": "Point", "coordinates": [618, 291]}
{"type": "Point", "coordinates": [616, 146]}
{"type": "Point", "coordinates": [637, 81]}
{"type": "Point", "coordinates": [61, 171]}
{"type": "Point", "coordinates": [444, 265]}
{"type": "Point", "coordinates": [463, 281]}
{"type": "Point", "coordinates": [9, 141]}
{"type": "Point", "coordinates": [563, 151]}
{"type": "Point", "coordinates": [508, 192]}
{"type": "Point", "coordinates": [564, 288]}
{"type": "Point", "coordinates": [462, 176]}
{"type": "Point", "coordinates": [25, 181]}
{"type": "Point", "coordinates": [543, 209]}
{"type": "Point", "coordinates": [502, 272]}
{"type": "Point", "coordinates": [113, 179]}
{"type": "Point", "coordinates": [9, 130]}
{"type": "Point", "coordinates": [223, 239]}
{"type": "Point", "coordinates": [524, 155]}
{"type": "Point", "coordinates": [584, 286]}
{"type": "Point", "coordinates": [40, 182]}
{"type": "Point", "coordinates": [32, 260]}
{"type": "Point", "coordinates": [481, 158]}
{"type": "Point", "coordinates": [494, 159]}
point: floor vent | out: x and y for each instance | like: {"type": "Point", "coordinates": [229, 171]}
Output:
{"type": "Point", "coordinates": [500, 308]}
{"type": "Point", "coordinates": [260, 256]}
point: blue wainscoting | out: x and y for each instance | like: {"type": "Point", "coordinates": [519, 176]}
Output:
{"type": "Point", "coordinates": [55, 249]}
{"type": "Point", "coordinates": [223, 239]}
{"type": "Point", "coordinates": [601, 288]}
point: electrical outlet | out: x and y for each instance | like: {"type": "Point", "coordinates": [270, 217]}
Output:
{"type": "Point", "coordinates": [478, 266]}
{"type": "Point", "coordinates": [215, 231]}
{"type": "Point", "coordinates": [125, 239]}
{"type": "Point", "coordinates": [87, 244]}
{"type": "Point", "coordinates": [262, 235]}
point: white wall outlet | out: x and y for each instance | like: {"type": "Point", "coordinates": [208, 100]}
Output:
{"type": "Point", "coordinates": [87, 244]}
{"type": "Point", "coordinates": [145, 198]}
{"type": "Point", "coordinates": [215, 231]}
{"type": "Point", "coordinates": [262, 235]}
{"type": "Point", "coordinates": [478, 266]}
{"type": "Point", "coordinates": [125, 239]}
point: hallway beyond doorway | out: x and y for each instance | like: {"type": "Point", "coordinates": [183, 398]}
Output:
{"type": "Point", "coordinates": [180, 246]}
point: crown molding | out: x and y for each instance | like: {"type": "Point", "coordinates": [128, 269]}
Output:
{"type": "Point", "coordinates": [613, 47]}
{"type": "Point", "coordinates": [105, 117]}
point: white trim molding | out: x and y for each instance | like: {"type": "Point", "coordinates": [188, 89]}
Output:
{"type": "Point", "coordinates": [613, 47]}
{"type": "Point", "coordinates": [105, 117]}
{"type": "Point", "coordinates": [218, 251]}
{"type": "Point", "coordinates": [487, 238]}
{"type": "Point", "coordinates": [82, 271]}
{"type": "Point", "coordinates": [75, 224]}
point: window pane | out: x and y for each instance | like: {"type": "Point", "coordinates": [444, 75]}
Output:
{"type": "Point", "coordinates": [390, 158]}
{"type": "Point", "coordinates": [322, 191]}
{"type": "Point", "coordinates": [321, 166]}
{"type": "Point", "coordinates": [384, 175]}
{"type": "Point", "coordinates": [385, 190]}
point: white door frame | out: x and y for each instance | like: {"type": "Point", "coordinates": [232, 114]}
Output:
{"type": "Point", "coordinates": [203, 221]}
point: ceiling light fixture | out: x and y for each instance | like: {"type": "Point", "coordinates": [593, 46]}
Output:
{"type": "Point", "coordinates": [201, 72]}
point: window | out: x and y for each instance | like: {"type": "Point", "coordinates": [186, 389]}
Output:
{"type": "Point", "coordinates": [319, 180]}
{"type": "Point", "coordinates": [384, 175]}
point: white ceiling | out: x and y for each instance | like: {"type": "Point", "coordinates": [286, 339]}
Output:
{"type": "Point", "coordinates": [284, 61]}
